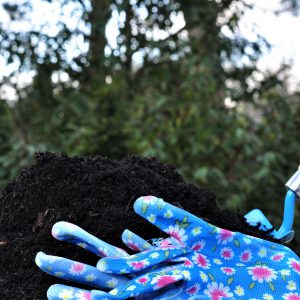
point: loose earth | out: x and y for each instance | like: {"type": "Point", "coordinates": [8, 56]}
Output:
{"type": "Point", "coordinates": [97, 194]}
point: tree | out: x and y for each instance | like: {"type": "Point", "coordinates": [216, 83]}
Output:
{"type": "Point", "coordinates": [175, 80]}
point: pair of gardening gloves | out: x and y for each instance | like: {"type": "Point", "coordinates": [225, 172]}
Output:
{"type": "Point", "coordinates": [197, 261]}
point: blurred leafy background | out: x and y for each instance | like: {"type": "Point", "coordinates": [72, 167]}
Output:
{"type": "Point", "coordinates": [190, 95]}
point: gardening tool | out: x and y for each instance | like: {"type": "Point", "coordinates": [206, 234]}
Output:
{"type": "Point", "coordinates": [285, 233]}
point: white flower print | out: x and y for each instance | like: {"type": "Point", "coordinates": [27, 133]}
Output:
{"type": "Point", "coordinates": [151, 218]}
{"type": "Point", "coordinates": [285, 272]}
{"type": "Point", "coordinates": [196, 231]}
{"type": "Point", "coordinates": [214, 289]}
{"type": "Point", "coordinates": [131, 288]}
{"type": "Point", "coordinates": [262, 252]}
{"type": "Point", "coordinates": [268, 297]}
{"type": "Point", "coordinates": [217, 261]}
{"type": "Point", "coordinates": [177, 233]}
{"type": "Point", "coordinates": [186, 275]}
{"type": "Point", "coordinates": [203, 276]}
{"type": "Point", "coordinates": [239, 290]}
{"type": "Point", "coordinates": [66, 294]}
{"type": "Point", "coordinates": [90, 277]}
{"type": "Point", "coordinates": [168, 214]}
{"type": "Point", "coordinates": [292, 285]}
{"type": "Point", "coordinates": [112, 283]}
{"type": "Point", "coordinates": [154, 255]}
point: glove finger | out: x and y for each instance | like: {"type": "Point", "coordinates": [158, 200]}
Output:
{"type": "Point", "coordinates": [146, 286]}
{"type": "Point", "coordinates": [78, 272]}
{"type": "Point", "coordinates": [71, 233]}
{"type": "Point", "coordinates": [140, 261]}
{"type": "Point", "coordinates": [60, 291]}
{"type": "Point", "coordinates": [135, 242]}
{"type": "Point", "coordinates": [181, 225]}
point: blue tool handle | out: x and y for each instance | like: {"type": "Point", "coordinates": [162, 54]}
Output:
{"type": "Point", "coordinates": [289, 210]}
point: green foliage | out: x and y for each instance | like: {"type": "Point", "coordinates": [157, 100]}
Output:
{"type": "Point", "coordinates": [170, 105]}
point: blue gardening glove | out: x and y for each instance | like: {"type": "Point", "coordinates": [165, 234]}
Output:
{"type": "Point", "coordinates": [164, 278]}
{"type": "Point", "coordinates": [205, 261]}
{"type": "Point", "coordinates": [82, 273]}
{"type": "Point", "coordinates": [77, 271]}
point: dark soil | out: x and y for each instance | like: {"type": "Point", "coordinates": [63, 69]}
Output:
{"type": "Point", "coordinates": [95, 193]}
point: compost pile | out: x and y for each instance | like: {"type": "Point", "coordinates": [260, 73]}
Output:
{"type": "Point", "coordinates": [95, 193]}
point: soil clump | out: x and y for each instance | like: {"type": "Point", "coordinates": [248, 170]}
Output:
{"type": "Point", "coordinates": [95, 193]}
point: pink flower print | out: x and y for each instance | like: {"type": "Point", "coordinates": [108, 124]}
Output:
{"type": "Point", "coordinates": [82, 295]}
{"type": "Point", "coordinates": [262, 273]}
{"type": "Point", "coordinates": [224, 236]}
{"type": "Point", "coordinates": [162, 280]}
{"type": "Point", "coordinates": [228, 270]}
{"type": "Point", "coordinates": [217, 291]}
{"type": "Point", "coordinates": [166, 244]}
{"type": "Point", "coordinates": [201, 261]}
{"type": "Point", "coordinates": [198, 246]}
{"type": "Point", "coordinates": [77, 268]}
{"type": "Point", "coordinates": [194, 289]}
{"type": "Point", "coordinates": [246, 256]}
{"type": "Point", "coordinates": [149, 199]}
{"type": "Point", "coordinates": [277, 257]}
{"type": "Point", "coordinates": [187, 263]}
{"type": "Point", "coordinates": [291, 296]}
{"type": "Point", "coordinates": [177, 233]}
{"type": "Point", "coordinates": [295, 265]}
{"type": "Point", "coordinates": [133, 246]}
{"type": "Point", "coordinates": [142, 280]}
{"type": "Point", "coordinates": [227, 253]}
{"type": "Point", "coordinates": [138, 265]}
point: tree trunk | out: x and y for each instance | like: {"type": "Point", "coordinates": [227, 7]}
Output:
{"type": "Point", "coordinates": [98, 18]}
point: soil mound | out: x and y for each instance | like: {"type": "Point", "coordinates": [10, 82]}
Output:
{"type": "Point", "coordinates": [95, 193]}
